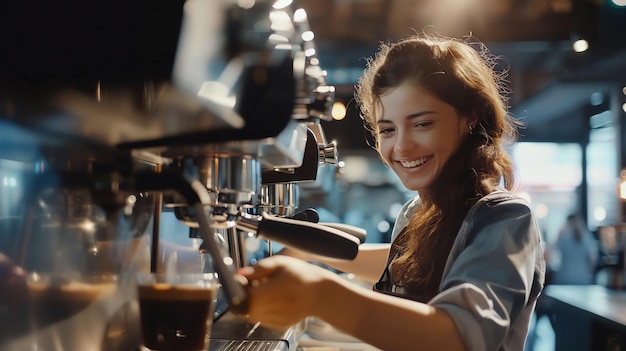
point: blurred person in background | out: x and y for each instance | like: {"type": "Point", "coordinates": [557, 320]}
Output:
{"type": "Point", "coordinates": [465, 266]}
{"type": "Point", "coordinates": [572, 259]}
{"type": "Point", "coordinates": [577, 251]}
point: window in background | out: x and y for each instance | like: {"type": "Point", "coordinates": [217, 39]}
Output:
{"type": "Point", "coordinates": [602, 177]}
{"type": "Point", "coordinates": [549, 175]}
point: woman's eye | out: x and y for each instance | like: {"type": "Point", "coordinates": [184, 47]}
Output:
{"type": "Point", "coordinates": [385, 130]}
{"type": "Point", "coordinates": [422, 124]}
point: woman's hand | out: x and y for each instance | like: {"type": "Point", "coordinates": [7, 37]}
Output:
{"type": "Point", "coordinates": [283, 290]}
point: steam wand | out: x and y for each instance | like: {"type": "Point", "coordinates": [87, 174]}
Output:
{"type": "Point", "coordinates": [224, 266]}
{"type": "Point", "coordinates": [194, 192]}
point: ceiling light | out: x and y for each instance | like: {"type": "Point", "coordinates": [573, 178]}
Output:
{"type": "Point", "coordinates": [281, 4]}
{"type": "Point", "coordinates": [338, 111]}
{"type": "Point", "coordinates": [580, 45]}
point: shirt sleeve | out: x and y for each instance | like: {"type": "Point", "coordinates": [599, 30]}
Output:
{"type": "Point", "coordinates": [494, 272]}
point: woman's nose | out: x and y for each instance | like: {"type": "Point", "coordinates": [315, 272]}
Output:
{"type": "Point", "coordinates": [404, 142]}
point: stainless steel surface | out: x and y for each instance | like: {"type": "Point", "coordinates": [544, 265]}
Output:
{"type": "Point", "coordinates": [234, 173]}
{"type": "Point", "coordinates": [280, 199]}
{"type": "Point", "coordinates": [234, 327]}
{"type": "Point", "coordinates": [248, 345]}
{"type": "Point", "coordinates": [282, 150]}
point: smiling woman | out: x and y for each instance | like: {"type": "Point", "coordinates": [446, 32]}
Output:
{"type": "Point", "coordinates": [465, 266]}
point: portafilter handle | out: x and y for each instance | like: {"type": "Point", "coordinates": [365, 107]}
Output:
{"type": "Point", "coordinates": [309, 215]}
{"type": "Point", "coordinates": [306, 236]}
{"type": "Point", "coordinates": [357, 232]}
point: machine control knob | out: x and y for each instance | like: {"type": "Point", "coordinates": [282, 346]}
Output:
{"type": "Point", "coordinates": [328, 154]}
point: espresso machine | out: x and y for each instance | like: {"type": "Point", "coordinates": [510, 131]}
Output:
{"type": "Point", "coordinates": [205, 108]}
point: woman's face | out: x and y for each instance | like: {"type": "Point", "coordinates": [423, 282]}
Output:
{"type": "Point", "coordinates": [417, 134]}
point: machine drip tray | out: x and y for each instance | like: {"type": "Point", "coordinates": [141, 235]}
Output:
{"type": "Point", "coordinates": [233, 332]}
{"type": "Point", "coordinates": [248, 345]}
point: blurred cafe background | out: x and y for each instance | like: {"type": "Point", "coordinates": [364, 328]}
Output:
{"type": "Point", "coordinates": [142, 71]}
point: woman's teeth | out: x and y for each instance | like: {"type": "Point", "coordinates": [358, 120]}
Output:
{"type": "Point", "coordinates": [414, 163]}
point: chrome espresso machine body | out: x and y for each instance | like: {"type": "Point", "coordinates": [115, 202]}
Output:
{"type": "Point", "coordinates": [208, 109]}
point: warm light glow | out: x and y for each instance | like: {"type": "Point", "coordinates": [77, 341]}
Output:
{"type": "Point", "coordinates": [281, 4]}
{"type": "Point", "coordinates": [541, 211]}
{"type": "Point", "coordinates": [624, 90]}
{"type": "Point", "coordinates": [299, 16]}
{"type": "Point", "coordinates": [357, 169]}
{"type": "Point", "coordinates": [383, 226]}
{"type": "Point", "coordinates": [308, 35]}
{"type": "Point", "coordinates": [619, 2]}
{"type": "Point", "coordinates": [280, 21]}
{"type": "Point", "coordinates": [580, 45]}
{"type": "Point", "coordinates": [278, 39]}
{"type": "Point", "coordinates": [624, 107]}
{"type": "Point", "coordinates": [599, 214]}
{"type": "Point", "coordinates": [338, 111]}
{"type": "Point", "coordinates": [309, 52]}
{"type": "Point", "coordinates": [447, 16]}
{"type": "Point", "coordinates": [324, 89]}
{"type": "Point", "coordinates": [246, 4]}
{"type": "Point", "coordinates": [286, 47]}
{"type": "Point", "coordinates": [88, 226]}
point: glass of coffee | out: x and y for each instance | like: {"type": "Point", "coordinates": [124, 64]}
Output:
{"type": "Point", "coordinates": [176, 310]}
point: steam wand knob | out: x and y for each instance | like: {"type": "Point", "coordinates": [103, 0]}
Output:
{"type": "Point", "coordinates": [329, 154]}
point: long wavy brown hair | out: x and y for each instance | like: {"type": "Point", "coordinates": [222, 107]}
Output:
{"type": "Point", "coordinates": [462, 73]}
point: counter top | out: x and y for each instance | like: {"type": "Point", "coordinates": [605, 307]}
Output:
{"type": "Point", "coordinates": [587, 317]}
{"type": "Point", "coordinates": [596, 299]}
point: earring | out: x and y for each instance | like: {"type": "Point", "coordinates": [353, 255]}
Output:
{"type": "Point", "coordinates": [471, 129]}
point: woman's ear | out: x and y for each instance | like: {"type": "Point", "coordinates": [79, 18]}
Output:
{"type": "Point", "coordinates": [471, 123]}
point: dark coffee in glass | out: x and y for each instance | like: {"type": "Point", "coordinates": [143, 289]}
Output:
{"type": "Point", "coordinates": [176, 316]}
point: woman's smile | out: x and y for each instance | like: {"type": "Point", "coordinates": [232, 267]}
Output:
{"type": "Point", "coordinates": [414, 163]}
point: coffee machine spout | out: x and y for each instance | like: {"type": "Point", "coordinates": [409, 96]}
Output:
{"type": "Point", "coordinates": [196, 195]}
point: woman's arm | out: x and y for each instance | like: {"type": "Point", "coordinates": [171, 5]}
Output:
{"type": "Point", "coordinates": [368, 265]}
{"type": "Point", "coordinates": [284, 290]}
